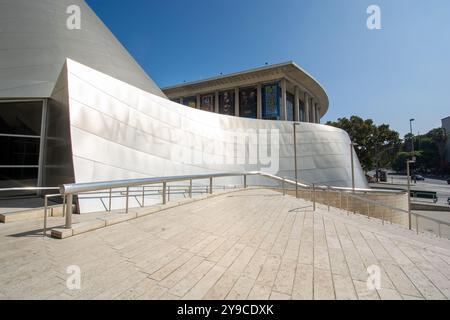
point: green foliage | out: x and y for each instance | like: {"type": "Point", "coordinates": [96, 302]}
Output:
{"type": "Point", "coordinates": [377, 145]}
{"type": "Point", "coordinates": [439, 136]}
{"type": "Point", "coordinates": [399, 164]}
{"type": "Point", "coordinates": [381, 147]}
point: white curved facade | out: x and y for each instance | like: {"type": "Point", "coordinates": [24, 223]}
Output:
{"type": "Point", "coordinates": [118, 131]}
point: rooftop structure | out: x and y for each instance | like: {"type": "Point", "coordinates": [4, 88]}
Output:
{"type": "Point", "coordinates": [277, 92]}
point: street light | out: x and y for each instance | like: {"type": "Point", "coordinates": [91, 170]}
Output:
{"type": "Point", "coordinates": [295, 159]}
{"type": "Point", "coordinates": [352, 145]}
{"type": "Point", "coordinates": [408, 162]}
{"type": "Point", "coordinates": [412, 137]}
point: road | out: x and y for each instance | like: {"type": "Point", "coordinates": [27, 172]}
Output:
{"type": "Point", "coordinates": [439, 186]}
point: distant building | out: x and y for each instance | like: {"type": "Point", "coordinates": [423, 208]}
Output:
{"type": "Point", "coordinates": [275, 92]}
{"type": "Point", "coordinates": [446, 125]}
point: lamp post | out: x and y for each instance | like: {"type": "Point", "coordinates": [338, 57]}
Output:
{"type": "Point", "coordinates": [295, 158]}
{"type": "Point", "coordinates": [408, 162]}
{"type": "Point", "coordinates": [352, 145]}
{"type": "Point", "coordinates": [412, 137]}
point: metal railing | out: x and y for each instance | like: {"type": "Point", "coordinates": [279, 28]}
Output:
{"type": "Point", "coordinates": [338, 197]}
{"type": "Point", "coordinates": [70, 190]}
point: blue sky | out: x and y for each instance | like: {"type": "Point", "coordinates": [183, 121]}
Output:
{"type": "Point", "coordinates": [389, 75]}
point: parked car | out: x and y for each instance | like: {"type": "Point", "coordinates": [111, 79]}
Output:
{"type": "Point", "coordinates": [418, 177]}
{"type": "Point", "coordinates": [448, 180]}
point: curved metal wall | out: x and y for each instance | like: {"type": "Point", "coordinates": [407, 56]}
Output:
{"type": "Point", "coordinates": [35, 42]}
{"type": "Point", "coordinates": [119, 131]}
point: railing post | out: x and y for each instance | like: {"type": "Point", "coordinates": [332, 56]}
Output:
{"type": "Point", "coordinates": [143, 195]}
{"type": "Point", "coordinates": [245, 181]}
{"type": "Point", "coordinates": [314, 196]}
{"type": "Point", "coordinates": [348, 209]}
{"type": "Point", "coordinates": [64, 206]}
{"type": "Point", "coordinates": [417, 224]}
{"type": "Point", "coordinates": [340, 200]}
{"type": "Point", "coordinates": [45, 215]}
{"type": "Point", "coordinates": [164, 193]}
{"type": "Point", "coordinates": [210, 185]}
{"type": "Point", "coordinates": [110, 196]}
{"type": "Point", "coordinates": [382, 217]}
{"type": "Point", "coordinates": [368, 210]}
{"type": "Point", "coordinates": [126, 200]}
{"type": "Point", "coordinates": [190, 188]}
{"type": "Point", "coordinates": [168, 193]}
{"type": "Point", "coordinates": [328, 197]}
{"type": "Point", "coordinates": [284, 186]}
{"type": "Point", "coordinates": [439, 229]}
{"type": "Point", "coordinates": [69, 211]}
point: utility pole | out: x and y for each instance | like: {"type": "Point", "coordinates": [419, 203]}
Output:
{"type": "Point", "coordinates": [412, 136]}
{"type": "Point", "coordinates": [353, 165]}
{"type": "Point", "coordinates": [295, 159]}
{"type": "Point", "coordinates": [409, 190]}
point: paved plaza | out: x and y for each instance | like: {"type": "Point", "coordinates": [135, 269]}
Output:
{"type": "Point", "coordinates": [252, 244]}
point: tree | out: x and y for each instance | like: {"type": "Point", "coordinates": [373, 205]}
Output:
{"type": "Point", "coordinates": [377, 145]}
{"type": "Point", "coordinates": [439, 136]}
{"type": "Point", "coordinates": [399, 164]}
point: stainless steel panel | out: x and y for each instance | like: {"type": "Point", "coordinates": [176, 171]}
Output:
{"type": "Point", "coordinates": [35, 41]}
{"type": "Point", "coordinates": [119, 131]}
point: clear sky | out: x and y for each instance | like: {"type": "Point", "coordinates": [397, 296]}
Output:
{"type": "Point", "coordinates": [389, 75]}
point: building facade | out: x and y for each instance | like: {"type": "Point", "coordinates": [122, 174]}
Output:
{"type": "Point", "coordinates": [276, 92]}
{"type": "Point", "coordinates": [76, 107]}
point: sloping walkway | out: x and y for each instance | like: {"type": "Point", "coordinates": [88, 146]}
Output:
{"type": "Point", "coordinates": [252, 244]}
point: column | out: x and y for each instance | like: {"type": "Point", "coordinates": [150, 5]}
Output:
{"type": "Point", "coordinates": [259, 101]}
{"type": "Point", "coordinates": [318, 113]}
{"type": "Point", "coordinates": [306, 107]}
{"type": "Point", "coordinates": [181, 100]}
{"type": "Point", "coordinates": [297, 104]}
{"type": "Point", "coordinates": [313, 111]}
{"type": "Point", "coordinates": [283, 99]}
{"type": "Point", "coordinates": [216, 102]}
{"type": "Point", "coordinates": [198, 102]}
{"type": "Point", "coordinates": [236, 102]}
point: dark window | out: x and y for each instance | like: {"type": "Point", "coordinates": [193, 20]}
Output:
{"type": "Point", "coordinates": [17, 151]}
{"type": "Point", "coordinates": [302, 111]}
{"type": "Point", "coordinates": [207, 102]}
{"type": "Point", "coordinates": [190, 102]}
{"type": "Point", "coordinates": [21, 118]}
{"type": "Point", "coordinates": [20, 130]}
{"type": "Point", "coordinates": [226, 102]}
{"type": "Point", "coordinates": [247, 102]}
{"type": "Point", "coordinates": [289, 106]}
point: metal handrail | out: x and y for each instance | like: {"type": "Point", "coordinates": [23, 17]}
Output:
{"type": "Point", "coordinates": [439, 222]}
{"type": "Point", "coordinates": [69, 190]}
{"type": "Point", "coordinates": [29, 189]}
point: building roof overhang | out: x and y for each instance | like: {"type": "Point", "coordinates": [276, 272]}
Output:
{"type": "Point", "coordinates": [289, 70]}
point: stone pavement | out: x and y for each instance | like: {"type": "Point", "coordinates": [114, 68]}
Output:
{"type": "Point", "coordinates": [252, 244]}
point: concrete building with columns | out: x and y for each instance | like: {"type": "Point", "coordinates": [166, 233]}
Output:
{"type": "Point", "coordinates": [274, 92]}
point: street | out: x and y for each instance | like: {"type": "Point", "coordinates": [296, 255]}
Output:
{"type": "Point", "coordinates": [439, 186]}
